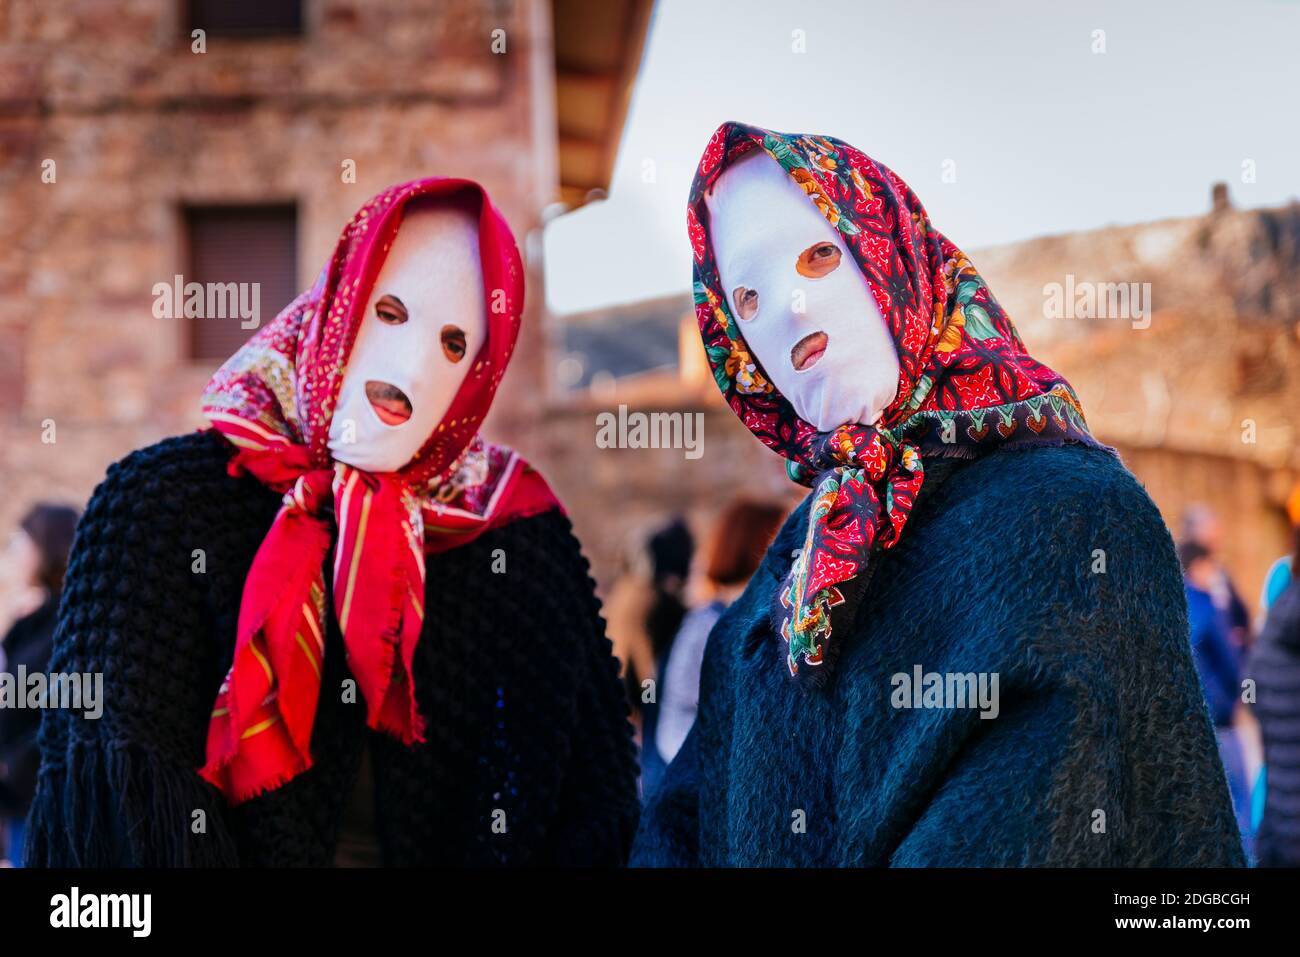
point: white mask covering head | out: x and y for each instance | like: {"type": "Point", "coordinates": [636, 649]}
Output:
{"type": "Point", "coordinates": [798, 296]}
{"type": "Point", "coordinates": [422, 329]}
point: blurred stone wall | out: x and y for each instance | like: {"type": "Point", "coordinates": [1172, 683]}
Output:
{"type": "Point", "coordinates": [138, 125]}
{"type": "Point", "coordinates": [1200, 395]}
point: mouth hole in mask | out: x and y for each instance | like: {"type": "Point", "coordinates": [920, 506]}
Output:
{"type": "Point", "coordinates": [390, 403]}
{"type": "Point", "coordinates": [818, 260]}
{"type": "Point", "coordinates": [746, 302]}
{"type": "Point", "coordinates": [808, 351]}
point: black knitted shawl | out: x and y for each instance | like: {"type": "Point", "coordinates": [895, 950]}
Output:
{"type": "Point", "coordinates": [529, 758]}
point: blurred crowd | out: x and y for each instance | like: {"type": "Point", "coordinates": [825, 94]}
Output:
{"type": "Point", "coordinates": [1249, 667]}
{"type": "Point", "coordinates": [661, 610]}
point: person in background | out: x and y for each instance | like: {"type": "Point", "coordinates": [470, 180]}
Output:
{"type": "Point", "coordinates": [1278, 576]}
{"type": "Point", "coordinates": [645, 608]}
{"type": "Point", "coordinates": [736, 545]}
{"type": "Point", "coordinates": [1201, 525]}
{"type": "Point", "coordinates": [1275, 668]}
{"type": "Point", "coordinates": [1218, 666]}
{"type": "Point", "coordinates": [624, 609]}
{"type": "Point", "coordinates": [1276, 581]}
{"type": "Point", "coordinates": [671, 550]}
{"type": "Point", "coordinates": [39, 550]}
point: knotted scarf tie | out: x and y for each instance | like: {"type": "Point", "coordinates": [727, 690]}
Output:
{"type": "Point", "coordinates": [864, 487]}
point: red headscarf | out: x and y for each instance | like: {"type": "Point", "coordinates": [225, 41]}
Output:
{"type": "Point", "coordinates": [273, 400]}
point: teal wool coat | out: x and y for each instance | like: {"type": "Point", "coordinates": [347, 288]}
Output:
{"type": "Point", "coordinates": [1048, 567]}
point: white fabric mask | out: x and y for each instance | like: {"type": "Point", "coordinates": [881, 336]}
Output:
{"type": "Point", "coordinates": [422, 329]}
{"type": "Point", "coordinates": [799, 298]}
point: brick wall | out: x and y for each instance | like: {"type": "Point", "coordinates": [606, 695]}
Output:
{"type": "Point", "coordinates": [138, 126]}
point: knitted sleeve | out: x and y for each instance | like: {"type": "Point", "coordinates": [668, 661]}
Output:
{"type": "Point", "coordinates": [528, 745]}
{"type": "Point", "coordinates": [117, 784]}
{"type": "Point", "coordinates": [598, 807]}
{"type": "Point", "coordinates": [1101, 751]}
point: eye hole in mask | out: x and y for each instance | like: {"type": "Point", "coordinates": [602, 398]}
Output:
{"type": "Point", "coordinates": [453, 343]}
{"type": "Point", "coordinates": [390, 311]}
{"type": "Point", "coordinates": [746, 301]}
{"type": "Point", "coordinates": [818, 260]}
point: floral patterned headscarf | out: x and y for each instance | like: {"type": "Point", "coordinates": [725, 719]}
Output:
{"type": "Point", "coordinates": [273, 401]}
{"type": "Point", "coordinates": [965, 382]}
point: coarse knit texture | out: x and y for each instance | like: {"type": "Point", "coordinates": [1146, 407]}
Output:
{"type": "Point", "coordinates": [1102, 752]}
{"type": "Point", "coordinates": [1275, 667]}
{"type": "Point", "coordinates": [528, 733]}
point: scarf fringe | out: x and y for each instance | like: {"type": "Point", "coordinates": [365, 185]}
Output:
{"type": "Point", "coordinates": [103, 796]}
{"type": "Point", "coordinates": [269, 783]}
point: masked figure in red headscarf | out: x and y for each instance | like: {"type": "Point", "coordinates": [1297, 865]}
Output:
{"type": "Point", "coordinates": [340, 621]}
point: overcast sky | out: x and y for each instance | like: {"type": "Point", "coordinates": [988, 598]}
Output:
{"type": "Point", "coordinates": [1044, 135]}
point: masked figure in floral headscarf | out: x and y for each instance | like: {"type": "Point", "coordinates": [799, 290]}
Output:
{"type": "Point", "coordinates": [340, 603]}
{"type": "Point", "coordinates": [969, 645]}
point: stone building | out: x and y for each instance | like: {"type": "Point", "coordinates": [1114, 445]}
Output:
{"type": "Point", "coordinates": [1200, 393]}
{"type": "Point", "coordinates": [141, 140]}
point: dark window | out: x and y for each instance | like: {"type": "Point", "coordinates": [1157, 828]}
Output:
{"type": "Point", "coordinates": [243, 245]}
{"type": "Point", "coordinates": [246, 18]}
